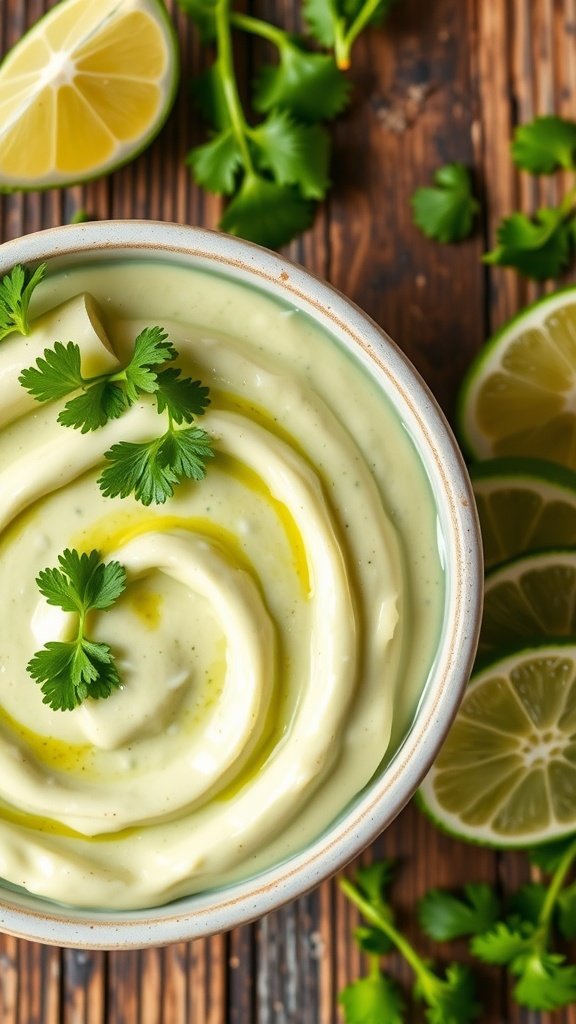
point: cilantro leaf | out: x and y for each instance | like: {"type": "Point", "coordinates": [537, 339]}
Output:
{"type": "Point", "coordinates": [501, 944]}
{"type": "Point", "coordinates": [538, 247]}
{"type": "Point", "coordinates": [445, 211]}
{"type": "Point", "coordinates": [266, 212]}
{"type": "Point", "coordinates": [567, 911]}
{"type": "Point", "coordinates": [527, 902]}
{"type": "Point", "coordinates": [15, 293]}
{"type": "Point", "coordinates": [150, 470]}
{"type": "Point", "coordinates": [372, 1000]}
{"type": "Point", "coordinates": [544, 145]}
{"type": "Point", "coordinates": [449, 1000]}
{"type": "Point", "coordinates": [320, 17]}
{"type": "Point", "coordinates": [106, 397]}
{"type": "Point", "coordinates": [215, 164]}
{"type": "Point", "coordinates": [70, 671]}
{"type": "Point", "coordinates": [546, 983]}
{"type": "Point", "coordinates": [550, 855]}
{"type": "Point", "coordinates": [372, 941]}
{"type": "Point", "coordinates": [444, 916]}
{"type": "Point", "coordinates": [95, 407]}
{"type": "Point", "coordinates": [373, 881]}
{"type": "Point", "coordinates": [296, 154]}
{"type": "Point", "coordinates": [151, 349]}
{"type": "Point", "coordinates": [55, 375]}
{"type": "Point", "coordinates": [83, 581]}
{"type": "Point", "coordinates": [309, 85]}
{"type": "Point", "coordinates": [182, 397]}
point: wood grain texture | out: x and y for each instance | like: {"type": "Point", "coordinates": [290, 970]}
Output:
{"type": "Point", "coordinates": [447, 80]}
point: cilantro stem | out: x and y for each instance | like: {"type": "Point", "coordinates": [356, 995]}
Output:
{"type": "Point", "coordinates": [258, 27]}
{"type": "Point", "coordinates": [344, 43]}
{"type": "Point", "coordinates": [225, 63]}
{"type": "Point", "coordinates": [428, 981]}
{"type": "Point", "coordinates": [553, 891]}
{"type": "Point", "coordinates": [374, 962]}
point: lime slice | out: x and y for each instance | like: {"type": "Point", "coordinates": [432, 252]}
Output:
{"type": "Point", "coordinates": [506, 775]}
{"type": "Point", "coordinates": [85, 90]}
{"type": "Point", "coordinates": [529, 598]}
{"type": "Point", "coordinates": [524, 505]}
{"type": "Point", "coordinates": [519, 395]}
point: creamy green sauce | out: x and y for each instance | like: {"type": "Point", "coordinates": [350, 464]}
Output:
{"type": "Point", "coordinates": [280, 619]}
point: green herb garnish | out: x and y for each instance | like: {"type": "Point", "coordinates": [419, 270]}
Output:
{"type": "Point", "coordinates": [522, 942]}
{"type": "Point", "coordinates": [445, 916]}
{"type": "Point", "coordinates": [446, 210]}
{"type": "Point", "coordinates": [275, 169]}
{"type": "Point", "coordinates": [149, 470]}
{"type": "Point", "coordinates": [70, 671]}
{"type": "Point", "coordinates": [544, 145]}
{"type": "Point", "coordinates": [15, 293]}
{"type": "Point", "coordinates": [448, 999]}
{"type": "Point", "coordinates": [338, 23]}
{"type": "Point", "coordinates": [540, 245]}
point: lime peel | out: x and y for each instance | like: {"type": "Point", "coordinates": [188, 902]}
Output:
{"type": "Point", "coordinates": [85, 91]}
{"type": "Point", "coordinates": [506, 776]}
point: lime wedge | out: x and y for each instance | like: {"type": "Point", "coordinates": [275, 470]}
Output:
{"type": "Point", "coordinates": [506, 775]}
{"type": "Point", "coordinates": [529, 598]}
{"type": "Point", "coordinates": [524, 505]}
{"type": "Point", "coordinates": [86, 89]}
{"type": "Point", "coordinates": [519, 395]}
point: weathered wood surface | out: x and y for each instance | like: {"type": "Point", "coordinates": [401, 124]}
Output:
{"type": "Point", "coordinates": [447, 80]}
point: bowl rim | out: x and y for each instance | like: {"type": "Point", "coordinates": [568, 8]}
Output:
{"type": "Point", "coordinates": [208, 913]}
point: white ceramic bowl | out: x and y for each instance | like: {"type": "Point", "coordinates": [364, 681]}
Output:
{"type": "Point", "coordinates": [380, 802]}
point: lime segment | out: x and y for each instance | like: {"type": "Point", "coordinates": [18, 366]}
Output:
{"type": "Point", "coordinates": [523, 505]}
{"type": "Point", "coordinates": [529, 598]}
{"type": "Point", "coordinates": [85, 90]}
{"type": "Point", "coordinates": [519, 396]}
{"type": "Point", "coordinates": [506, 775]}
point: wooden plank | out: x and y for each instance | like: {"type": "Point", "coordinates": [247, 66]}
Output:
{"type": "Point", "coordinates": [83, 987]}
{"type": "Point", "coordinates": [9, 979]}
{"type": "Point", "coordinates": [175, 967]}
{"type": "Point", "coordinates": [39, 972]}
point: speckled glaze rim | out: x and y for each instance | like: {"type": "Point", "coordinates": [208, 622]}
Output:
{"type": "Point", "coordinates": [204, 914]}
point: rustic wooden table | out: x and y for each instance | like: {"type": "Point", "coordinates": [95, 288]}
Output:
{"type": "Point", "coordinates": [446, 80]}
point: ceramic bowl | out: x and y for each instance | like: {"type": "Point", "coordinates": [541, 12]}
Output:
{"type": "Point", "coordinates": [379, 803]}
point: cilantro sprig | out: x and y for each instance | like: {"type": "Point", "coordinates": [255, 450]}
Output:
{"type": "Point", "coordinates": [540, 245]}
{"type": "Point", "coordinates": [522, 942]}
{"type": "Point", "coordinates": [149, 470]}
{"type": "Point", "coordinates": [519, 939]}
{"type": "Point", "coordinates": [70, 671]}
{"type": "Point", "coordinates": [274, 170]}
{"type": "Point", "coordinates": [338, 23]}
{"type": "Point", "coordinates": [15, 293]}
{"type": "Point", "coordinates": [448, 999]}
{"type": "Point", "coordinates": [445, 211]}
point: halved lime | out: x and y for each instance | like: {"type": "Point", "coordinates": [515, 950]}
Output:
{"type": "Point", "coordinates": [506, 775]}
{"type": "Point", "coordinates": [524, 505]}
{"type": "Point", "coordinates": [529, 598]}
{"type": "Point", "coordinates": [519, 395]}
{"type": "Point", "coordinates": [84, 91]}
